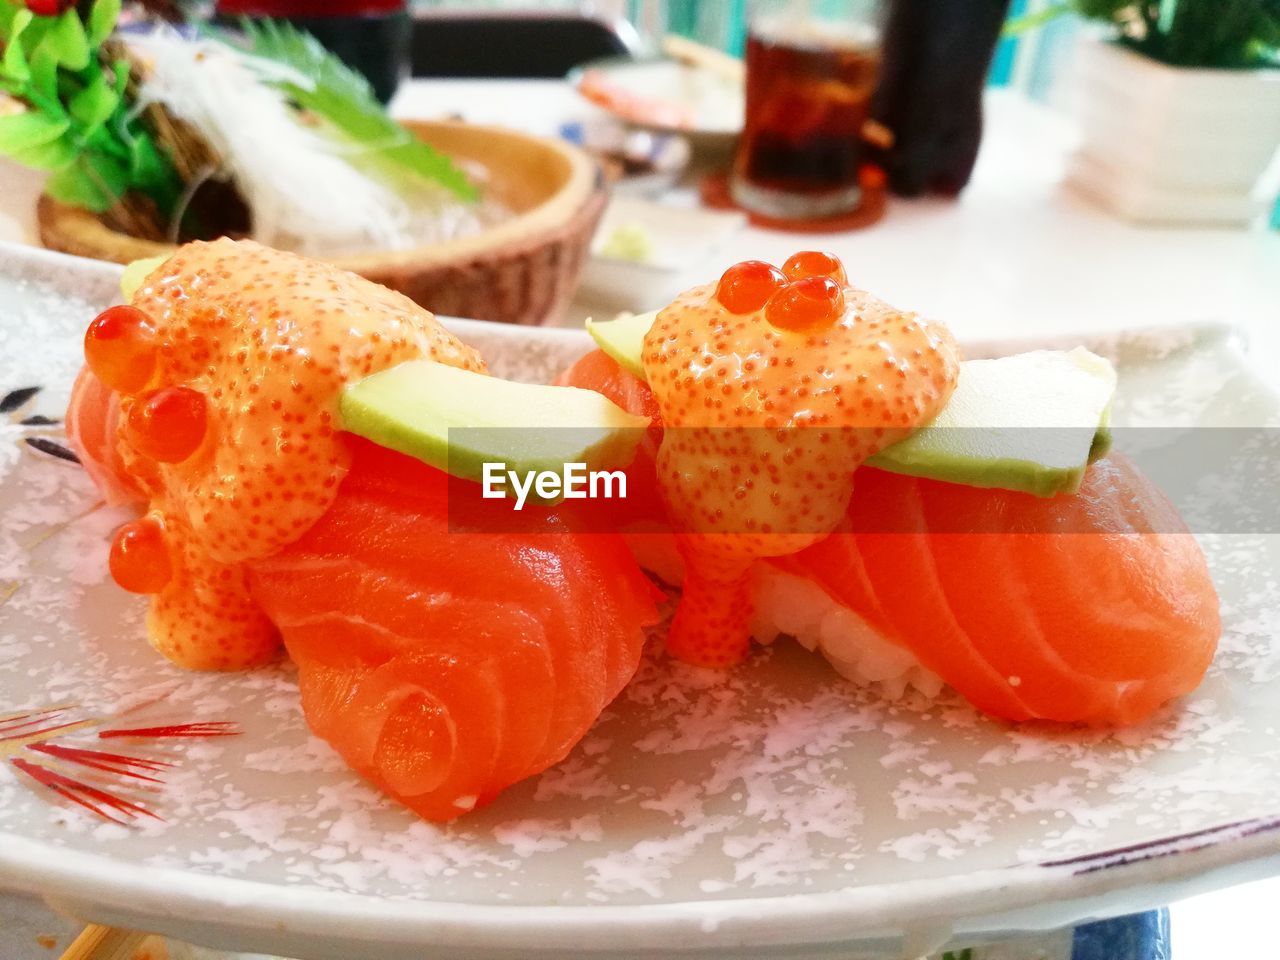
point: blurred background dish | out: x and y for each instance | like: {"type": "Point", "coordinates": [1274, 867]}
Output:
{"type": "Point", "coordinates": [667, 96]}
{"type": "Point", "coordinates": [645, 253]}
{"type": "Point", "coordinates": [638, 162]}
{"type": "Point", "coordinates": [522, 270]}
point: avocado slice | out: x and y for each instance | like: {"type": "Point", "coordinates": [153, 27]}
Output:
{"type": "Point", "coordinates": [988, 435]}
{"type": "Point", "coordinates": [135, 272]}
{"type": "Point", "coordinates": [457, 421]}
{"type": "Point", "coordinates": [1031, 422]}
{"type": "Point", "coordinates": [1101, 445]}
{"type": "Point", "coordinates": [623, 339]}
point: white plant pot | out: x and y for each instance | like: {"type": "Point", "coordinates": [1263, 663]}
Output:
{"type": "Point", "coordinates": [1170, 144]}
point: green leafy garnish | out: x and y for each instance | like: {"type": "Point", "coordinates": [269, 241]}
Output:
{"type": "Point", "coordinates": [102, 20]}
{"type": "Point", "coordinates": [67, 112]}
{"type": "Point", "coordinates": [321, 83]}
{"type": "Point", "coordinates": [1221, 34]}
{"type": "Point", "coordinates": [71, 117]}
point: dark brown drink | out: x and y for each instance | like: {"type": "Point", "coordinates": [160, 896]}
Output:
{"type": "Point", "coordinates": [809, 89]}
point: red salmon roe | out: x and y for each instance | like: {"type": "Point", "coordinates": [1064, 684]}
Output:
{"type": "Point", "coordinates": [814, 263]}
{"type": "Point", "coordinates": [168, 425]}
{"type": "Point", "coordinates": [805, 304]}
{"type": "Point", "coordinates": [270, 339]}
{"type": "Point", "coordinates": [139, 559]}
{"type": "Point", "coordinates": [120, 348]}
{"type": "Point", "coordinates": [746, 286]}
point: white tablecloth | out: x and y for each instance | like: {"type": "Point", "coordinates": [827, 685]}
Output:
{"type": "Point", "coordinates": [1016, 254]}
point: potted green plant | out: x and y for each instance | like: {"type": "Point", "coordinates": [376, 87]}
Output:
{"type": "Point", "coordinates": [1179, 106]}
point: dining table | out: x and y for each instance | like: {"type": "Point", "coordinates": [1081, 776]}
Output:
{"type": "Point", "coordinates": [1018, 253]}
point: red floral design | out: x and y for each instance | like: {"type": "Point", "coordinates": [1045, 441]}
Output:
{"type": "Point", "coordinates": [27, 743]}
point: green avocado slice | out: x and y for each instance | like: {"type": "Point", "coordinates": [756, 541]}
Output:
{"type": "Point", "coordinates": [459, 421]}
{"type": "Point", "coordinates": [1031, 422]}
{"type": "Point", "coordinates": [135, 273]}
{"type": "Point", "coordinates": [623, 339]}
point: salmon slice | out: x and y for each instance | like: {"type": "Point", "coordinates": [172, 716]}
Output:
{"type": "Point", "coordinates": [93, 415]}
{"type": "Point", "coordinates": [444, 663]}
{"type": "Point", "coordinates": [600, 372]}
{"type": "Point", "coordinates": [501, 643]}
{"type": "Point", "coordinates": [1095, 608]}
{"type": "Point", "coordinates": [643, 505]}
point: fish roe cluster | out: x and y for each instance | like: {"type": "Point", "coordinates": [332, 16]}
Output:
{"type": "Point", "coordinates": [229, 362]}
{"type": "Point", "coordinates": [774, 385]}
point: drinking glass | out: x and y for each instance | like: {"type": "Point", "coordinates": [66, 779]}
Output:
{"type": "Point", "coordinates": [811, 73]}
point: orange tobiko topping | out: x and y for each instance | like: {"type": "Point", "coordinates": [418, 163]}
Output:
{"type": "Point", "coordinates": [234, 358]}
{"type": "Point", "coordinates": [139, 558]}
{"type": "Point", "coordinates": [766, 415]}
{"type": "Point", "coordinates": [120, 348]}
{"type": "Point", "coordinates": [814, 263]}
{"type": "Point", "coordinates": [746, 286]}
{"type": "Point", "coordinates": [168, 425]}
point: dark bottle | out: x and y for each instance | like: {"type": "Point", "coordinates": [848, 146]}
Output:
{"type": "Point", "coordinates": [936, 57]}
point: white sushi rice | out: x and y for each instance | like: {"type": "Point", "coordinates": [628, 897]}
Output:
{"type": "Point", "coordinates": [785, 605]}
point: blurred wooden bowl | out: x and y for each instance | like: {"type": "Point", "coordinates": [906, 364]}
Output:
{"type": "Point", "coordinates": [523, 270]}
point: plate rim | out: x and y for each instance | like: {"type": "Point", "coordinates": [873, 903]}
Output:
{"type": "Point", "coordinates": [1229, 853]}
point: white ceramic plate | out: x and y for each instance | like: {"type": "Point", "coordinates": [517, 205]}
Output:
{"type": "Point", "coordinates": [668, 96]}
{"type": "Point", "coordinates": [773, 811]}
{"type": "Point", "coordinates": [684, 245]}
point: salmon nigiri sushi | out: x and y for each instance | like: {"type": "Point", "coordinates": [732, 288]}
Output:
{"type": "Point", "coordinates": [1094, 606]}
{"type": "Point", "coordinates": [443, 662]}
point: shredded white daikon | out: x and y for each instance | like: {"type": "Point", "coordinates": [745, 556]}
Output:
{"type": "Point", "coordinates": [306, 191]}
